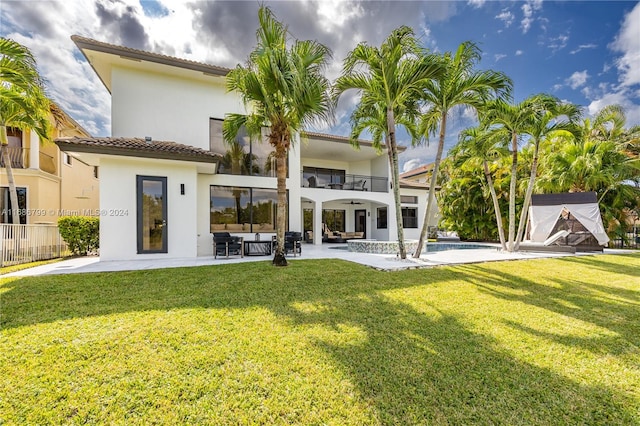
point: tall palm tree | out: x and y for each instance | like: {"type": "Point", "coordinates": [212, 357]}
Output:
{"type": "Point", "coordinates": [478, 143]}
{"type": "Point", "coordinates": [390, 80]}
{"type": "Point", "coordinates": [23, 104]}
{"type": "Point", "coordinates": [597, 158]}
{"type": "Point", "coordinates": [284, 86]}
{"type": "Point", "coordinates": [461, 85]}
{"type": "Point", "coordinates": [511, 123]}
{"type": "Point", "coordinates": [553, 119]}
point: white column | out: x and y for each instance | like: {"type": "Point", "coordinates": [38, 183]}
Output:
{"type": "Point", "coordinates": [317, 222]}
{"type": "Point", "coordinates": [34, 150]}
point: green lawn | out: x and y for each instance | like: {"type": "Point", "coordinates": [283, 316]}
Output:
{"type": "Point", "coordinates": [542, 342]}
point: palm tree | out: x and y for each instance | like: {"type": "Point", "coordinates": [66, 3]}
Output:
{"type": "Point", "coordinates": [286, 89]}
{"type": "Point", "coordinates": [555, 118]}
{"type": "Point", "coordinates": [510, 123]}
{"type": "Point", "coordinates": [478, 143]}
{"type": "Point", "coordinates": [390, 80]}
{"type": "Point", "coordinates": [459, 86]}
{"type": "Point", "coordinates": [596, 158]}
{"type": "Point", "coordinates": [23, 104]}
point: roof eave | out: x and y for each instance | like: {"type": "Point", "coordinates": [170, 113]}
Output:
{"type": "Point", "coordinates": [129, 152]}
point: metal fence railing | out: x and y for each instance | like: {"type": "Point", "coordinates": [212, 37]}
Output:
{"type": "Point", "coordinates": [29, 243]}
{"type": "Point", "coordinates": [629, 239]}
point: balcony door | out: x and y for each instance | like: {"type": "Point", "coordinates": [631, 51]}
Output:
{"type": "Point", "coordinates": [152, 214]}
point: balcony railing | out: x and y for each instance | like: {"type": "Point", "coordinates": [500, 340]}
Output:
{"type": "Point", "coordinates": [18, 156]}
{"type": "Point", "coordinates": [349, 183]}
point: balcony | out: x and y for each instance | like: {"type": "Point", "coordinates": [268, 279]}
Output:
{"type": "Point", "coordinates": [47, 163]}
{"type": "Point", "coordinates": [345, 182]}
{"type": "Point", "coordinates": [18, 156]}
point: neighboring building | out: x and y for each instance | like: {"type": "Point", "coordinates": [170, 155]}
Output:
{"type": "Point", "coordinates": [49, 183]}
{"type": "Point", "coordinates": [420, 174]}
{"type": "Point", "coordinates": [168, 181]}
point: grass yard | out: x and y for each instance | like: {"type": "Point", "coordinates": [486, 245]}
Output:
{"type": "Point", "coordinates": [553, 341]}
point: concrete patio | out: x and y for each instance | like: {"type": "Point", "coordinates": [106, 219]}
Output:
{"type": "Point", "coordinates": [326, 251]}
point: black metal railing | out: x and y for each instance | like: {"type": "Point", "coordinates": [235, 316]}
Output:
{"type": "Point", "coordinates": [629, 239]}
{"type": "Point", "coordinates": [18, 156]}
{"type": "Point", "coordinates": [346, 182]}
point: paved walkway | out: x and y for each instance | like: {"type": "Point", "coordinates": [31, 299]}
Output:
{"type": "Point", "coordinates": [325, 251]}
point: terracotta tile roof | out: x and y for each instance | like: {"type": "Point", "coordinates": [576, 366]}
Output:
{"type": "Point", "coordinates": [138, 147]}
{"type": "Point", "coordinates": [128, 52]}
{"type": "Point", "coordinates": [337, 138]}
{"type": "Point", "coordinates": [417, 171]}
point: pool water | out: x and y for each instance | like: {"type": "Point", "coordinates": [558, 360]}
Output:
{"type": "Point", "coordinates": [435, 247]}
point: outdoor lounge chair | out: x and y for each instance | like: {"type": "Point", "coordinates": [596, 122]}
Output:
{"type": "Point", "coordinates": [225, 245]}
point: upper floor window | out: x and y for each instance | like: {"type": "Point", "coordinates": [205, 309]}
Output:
{"type": "Point", "coordinates": [244, 156]}
{"type": "Point", "coordinates": [95, 172]}
{"type": "Point", "coordinates": [409, 199]}
{"type": "Point", "coordinates": [66, 158]}
{"type": "Point", "coordinates": [316, 177]}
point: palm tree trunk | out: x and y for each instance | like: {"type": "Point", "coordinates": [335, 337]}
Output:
{"type": "Point", "coordinates": [496, 205]}
{"type": "Point", "coordinates": [431, 199]}
{"type": "Point", "coordinates": [512, 192]}
{"type": "Point", "coordinates": [527, 198]}
{"type": "Point", "coordinates": [392, 150]}
{"type": "Point", "coordinates": [13, 193]}
{"type": "Point", "coordinates": [279, 258]}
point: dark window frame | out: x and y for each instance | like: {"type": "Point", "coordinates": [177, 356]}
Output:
{"type": "Point", "coordinates": [409, 221]}
{"type": "Point", "coordinates": [382, 222]}
{"type": "Point", "coordinates": [140, 220]}
{"type": "Point", "coordinates": [251, 208]}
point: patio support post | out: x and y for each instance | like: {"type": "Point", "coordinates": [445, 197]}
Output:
{"type": "Point", "coordinates": [317, 223]}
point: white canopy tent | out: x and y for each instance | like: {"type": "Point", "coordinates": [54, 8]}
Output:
{"type": "Point", "coordinates": [545, 211]}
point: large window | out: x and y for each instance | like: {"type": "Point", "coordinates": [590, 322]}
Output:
{"type": "Point", "coordinates": [382, 218]}
{"type": "Point", "coordinates": [409, 199]}
{"type": "Point", "coordinates": [316, 177]}
{"type": "Point", "coordinates": [238, 209]}
{"type": "Point", "coordinates": [409, 217]}
{"type": "Point", "coordinates": [6, 215]}
{"type": "Point", "coordinates": [334, 220]}
{"type": "Point", "coordinates": [244, 156]}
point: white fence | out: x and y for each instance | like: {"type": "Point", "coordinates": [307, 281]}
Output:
{"type": "Point", "coordinates": [28, 243]}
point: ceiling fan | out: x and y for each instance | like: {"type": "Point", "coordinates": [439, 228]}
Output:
{"type": "Point", "coordinates": [353, 202]}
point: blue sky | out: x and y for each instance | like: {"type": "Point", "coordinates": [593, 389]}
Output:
{"type": "Point", "coordinates": [587, 53]}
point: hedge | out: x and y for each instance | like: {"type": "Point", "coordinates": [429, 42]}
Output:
{"type": "Point", "coordinates": [81, 233]}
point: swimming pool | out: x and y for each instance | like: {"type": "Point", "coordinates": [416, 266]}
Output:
{"type": "Point", "coordinates": [391, 247]}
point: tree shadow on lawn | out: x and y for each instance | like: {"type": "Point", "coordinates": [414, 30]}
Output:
{"type": "Point", "coordinates": [613, 308]}
{"type": "Point", "coordinates": [632, 268]}
{"type": "Point", "coordinates": [413, 367]}
{"type": "Point", "coordinates": [418, 368]}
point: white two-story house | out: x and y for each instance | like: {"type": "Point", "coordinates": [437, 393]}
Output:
{"type": "Point", "coordinates": [168, 180]}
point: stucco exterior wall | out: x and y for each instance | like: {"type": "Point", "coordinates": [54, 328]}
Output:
{"type": "Point", "coordinates": [170, 108]}
{"type": "Point", "coordinates": [118, 206]}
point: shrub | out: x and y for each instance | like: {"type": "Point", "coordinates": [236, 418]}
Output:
{"type": "Point", "coordinates": [81, 233]}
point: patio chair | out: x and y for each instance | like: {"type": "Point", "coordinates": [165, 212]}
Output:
{"type": "Point", "coordinates": [293, 243]}
{"type": "Point", "coordinates": [225, 245]}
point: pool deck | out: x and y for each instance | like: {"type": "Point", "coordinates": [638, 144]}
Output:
{"type": "Point", "coordinates": [326, 251]}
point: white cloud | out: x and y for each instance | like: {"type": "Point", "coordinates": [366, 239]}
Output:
{"type": "Point", "coordinates": [476, 3]}
{"type": "Point", "coordinates": [622, 98]}
{"type": "Point", "coordinates": [584, 47]}
{"type": "Point", "coordinates": [577, 79]}
{"type": "Point", "coordinates": [558, 43]}
{"type": "Point", "coordinates": [411, 164]}
{"type": "Point", "coordinates": [499, 56]}
{"type": "Point", "coordinates": [628, 43]}
{"type": "Point", "coordinates": [519, 52]}
{"type": "Point", "coordinates": [506, 16]}
{"type": "Point", "coordinates": [527, 12]}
